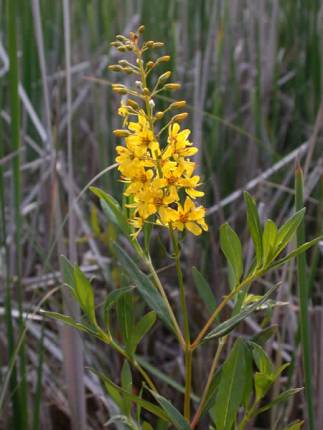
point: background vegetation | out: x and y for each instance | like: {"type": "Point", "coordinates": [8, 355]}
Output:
{"type": "Point", "coordinates": [252, 74]}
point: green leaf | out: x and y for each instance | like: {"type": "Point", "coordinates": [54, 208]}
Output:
{"type": "Point", "coordinates": [295, 425]}
{"type": "Point", "coordinates": [263, 382]}
{"type": "Point", "coordinates": [231, 386]}
{"type": "Point", "coordinates": [228, 325]}
{"type": "Point", "coordinates": [286, 232]}
{"type": "Point", "coordinates": [147, 426]}
{"type": "Point", "coordinates": [84, 293]}
{"type": "Point", "coordinates": [142, 328]}
{"type": "Point", "coordinates": [297, 251]}
{"type": "Point", "coordinates": [264, 335]}
{"type": "Point", "coordinates": [68, 271]}
{"type": "Point", "coordinates": [145, 287]}
{"type": "Point", "coordinates": [126, 384]}
{"type": "Point", "coordinates": [262, 360]}
{"type": "Point", "coordinates": [71, 322]}
{"type": "Point", "coordinates": [115, 295]}
{"type": "Point", "coordinates": [269, 241]}
{"type": "Point", "coordinates": [283, 397]}
{"type": "Point", "coordinates": [148, 406]}
{"type": "Point", "coordinates": [231, 248]}
{"type": "Point", "coordinates": [173, 414]}
{"type": "Point", "coordinates": [125, 314]}
{"type": "Point", "coordinates": [254, 226]}
{"type": "Point", "coordinates": [204, 289]}
{"type": "Point", "coordinates": [119, 217]}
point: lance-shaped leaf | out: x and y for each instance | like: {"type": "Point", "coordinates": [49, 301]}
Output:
{"type": "Point", "coordinates": [148, 406]}
{"type": "Point", "coordinates": [84, 293]}
{"type": "Point", "coordinates": [118, 217]}
{"type": "Point", "coordinates": [282, 397]}
{"type": "Point", "coordinates": [228, 325]}
{"type": "Point", "coordinates": [174, 416]}
{"type": "Point", "coordinates": [231, 248]}
{"type": "Point", "coordinates": [144, 285]}
{"type": "Point", "coordinates": [232, 384]}
{"type": "Point", "coordinates": [141, 329]}
{"type": "Point", "coordinates": [204, 289]}
{"type": "Point", "coordinates": [254, 227]}
{"type": "Point", "coordinates": [269, 241]}
{"type": "Point", "coordinates": [286, 232]}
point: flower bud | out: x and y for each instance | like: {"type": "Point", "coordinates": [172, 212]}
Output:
{"type": "Point", "coordinates": [164, 77]}
{"type": "Point", "coordinates": [159, 115]}
{"type": "Point", "coordinates": [133, 104]}
{"type": "Point", "coordinates": [141, 29]}
{"type": "Point", "coordinates": [119, 89]}
{"type": "Point", "coordinates": [150, 64]}
{"type": "Point", "coordinates": [172, 87]}
{"type": "Point", "coordinates": [114, 68]}
{"type": "Point", "coordinates": [178, 105]}
{"type": "Point", "coordinates": [180, 117]}
{"type": "Point", "coordinates": [149, 44]}
{"type": "Point", "coordinates": [158, 45]}
{"type": "Point", "coordinates": [163, 59]}
{"type": "Point", "coordinates": [146, 92]}
{"type": "Point", "coordinates": [121, 133]}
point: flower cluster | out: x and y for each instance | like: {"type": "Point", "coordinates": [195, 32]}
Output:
{"type": "Point", "coordinates": [159, 179]}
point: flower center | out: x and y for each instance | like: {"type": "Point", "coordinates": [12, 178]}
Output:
{"type": "Point", "coordinates": [171, 180]}
{"type": "Point", "coordinates": [158, 201]}
{"type": "Point", "coordinates": [183, 218]}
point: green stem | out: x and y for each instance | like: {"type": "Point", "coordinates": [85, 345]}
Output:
{"type": "Point", "coordinates": [304, 302]}
{"type": "Point", "coordinates": [219, 308]}
{"type": "Point", "coordinates": [169, 308]}
{"type": "Point", "coordinates": [215, 362]}
{"type": "Point", "coordinates": [188, 352]}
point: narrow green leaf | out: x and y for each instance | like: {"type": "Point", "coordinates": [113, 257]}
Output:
{"type": "Point", "coordinates": [126, 383]}
{"type": "Point", "coordinates": [119, 217]}
{"type": "Point", "coordinates": [269, 241]}
{"type": "Point", "coordinates": [125, 314]}
{"type": "Point", "coordinates": [145, 287]}
{"type": "Point", "coordinates": [254, 226]}
{"type": "Point", "coordinates": [68, 271]}
{"type": "Point", "coordinates": [231, 248]}
{"type": "Point", "coordinates": [142, 328]}
{"type": "Point", "coordinates": [296, 425]}
{"type": "Point", "coordinates": [148, 406]}
{"type": "Point", "coordinates": [262, 360]}
{"type": "Point", "coordinates": [204, 290]}
{"type": "Point", "coordinates": [283, 397]}
{"type": "Point", "coordinates": [173, 414]}
{"type": "Point", "coordinates": [286, 232]}
{"type": "Point", "coordinates": [231, 386]}
{"type": "Point", "coordinates": [228, 325]}
{"type": "Point", "coordinates": [297, 251]}
{"type": "Point", "coordinates": [264, 335]}
{"type": "Point", "coordinates": [263, 382]}
{"type": "Point", "coordinates": [84, 293]}
{"type": "Point", "coordinates": [70, 322]}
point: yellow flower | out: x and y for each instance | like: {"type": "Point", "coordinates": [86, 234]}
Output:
{"type": "Point", "coordinates": [124, 112]}
{"type": "Point", "coordinates": [140, 179]}
{"type": "Point", "coordinates": [178, 144]}
{"type": "Point", "coordinates": [154, 199]}
{"type": "Point", "coordinates": [190, 184]}
{"type": "Point", "coordinates": [142, 136]}
{"type": "Point", "coordinates": [189, 217]}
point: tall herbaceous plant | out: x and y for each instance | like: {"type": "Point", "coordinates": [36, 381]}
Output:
{"type": "Point", "coordinates": [162, 191]}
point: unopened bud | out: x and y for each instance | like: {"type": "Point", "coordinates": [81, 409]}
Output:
{"type": "Point", "coordinates": [141, 29]}
{"type": "Point", "coordinates": [146, 92]}
{"type": "Point", "coordinates": [133, 104]}
{"type": "Point", "coordinates": [152, 104]}
{"type": "Point", "coordinates": [114, 68]}
{"type": "Point", "coordinates": [150, 43]}
{"type": "Point", "coordinates": [121, 48]}
{"type": "Point", "coordinates": [159, 115]}
{"type": "Point", "coordinates": [121, 133]}
{"type": "Point", "coordinates": [121, 37]}
{"type": "Point", "coordinates": [119, 89]}
{"type": "Point", "coordinates": [150, 64]}
{"type": "Point", "coordinates": [128, 70]}
{"type": "Point", "coordinates": [172, 87]}
{"type": "Point", "coordinates": [164, 77]}
{"type": "Point", "coordinates": [158, 45]}
{"type": "Point", "coordinates": [180, 117]}
{"type": "Point", "coordinates": [163, 59]}
{"type": "Point", "coordinates": [178, 105]}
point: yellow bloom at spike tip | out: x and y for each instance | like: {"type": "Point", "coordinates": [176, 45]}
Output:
{"type": "Point", "coordinates": [158, 171]}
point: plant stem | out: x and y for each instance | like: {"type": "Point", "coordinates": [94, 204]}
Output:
{"type": "Point", "coordinates": [188, 352]}
{"type": "Point", "coordinates": [164, 296]}
{"type": "Point", "coordinates": [303, 299]}
{"type": "Point", "coordinates": [219, 308]}
{"type": "Point", "coordinates": [215, 362]}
